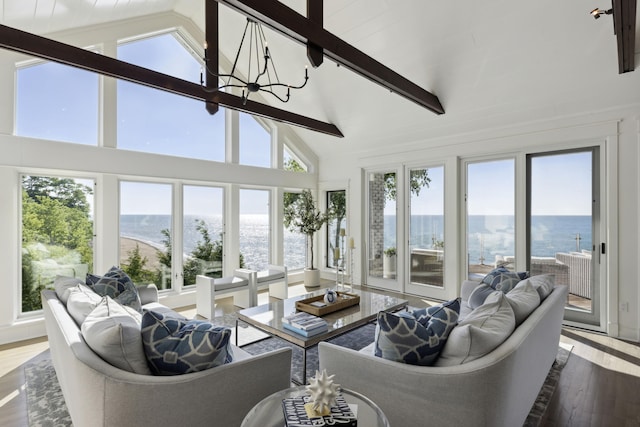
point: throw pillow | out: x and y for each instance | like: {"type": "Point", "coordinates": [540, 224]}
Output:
{"type": "Point", "coordinates": [502, 279]}
{"type": "Point", "coordinates": [479, 295]}
{"type": "Point", "coordinates": [544, 284]}
{"type": "Point", "coordinates": [113, 333]}
{"type": "Point", "coordinates": [523, 300]}
{"type": "Point", "coordinates": [174, 346]}
{"type": "Point", "coordinates": [415, 338]}
{"type": "Point", "coordinates": [62, 285]}
{"type": "Point", "coordinates": [479, 333]}
{"type": "Point", "coordinates": [116, 284]}
{"type": "Point", "coordinates": [81, 302]}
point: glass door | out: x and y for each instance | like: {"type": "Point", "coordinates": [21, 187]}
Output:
{"type": "Point", "coordinates": [563, 226]}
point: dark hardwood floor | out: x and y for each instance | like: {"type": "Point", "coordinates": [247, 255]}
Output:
{"type": "Point", "coordinates": [599, 386]}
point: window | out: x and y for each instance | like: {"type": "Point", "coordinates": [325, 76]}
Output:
{"type": "Point", "coordinates": [155, 121]}
{"type": "Point", "coordinates": [254, 228]}
{"type": "Point", "coordinates": [255, 142]}
{"type": "Point", "coordinates": [203, 231]}
{"type": "Point", "coordinates": [382, 225]}
{"type": "Point", "coordinates": [426, 226]}
{"type": "Point", "coordinates": [490, 216]}
{"type": "Point", "coordinates": [146, 232]}
{"type": "Point", "coordinates": [336, 229]}
{"type": "Point", "coordinates": [57, 102]}
{"type": "Point", "coordinates": [291, 162]}
{"type": "Point", "coordinates": [57, 233]}
{"type": "Point", "coordinates": [295, 243]}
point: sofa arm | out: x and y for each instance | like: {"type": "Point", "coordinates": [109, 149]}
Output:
{"type": "Point", "coordinates": [148, 293]}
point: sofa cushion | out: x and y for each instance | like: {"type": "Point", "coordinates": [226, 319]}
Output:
{"type": "Point", "coordinates": [175, 346]}
{"type": "Point", "coordinates": [544, 284]}
{"type": "Point", "coordinates": [81, 302]}
{"type": "Point", "coordinates": [416, 337]}
{"type": "Point", "coordinates": [62, 286]}
{"type": "Point", "coordinates": [480, 332]}
{"type": "Point", "coordinates": [479, 294]}
{"type": "Point", "coordinates": [113, 333]}
{"type": "Point", "coordinates": [116, 284]}
{"type": "Point", "coordinates": [502, 279]}
{"type": "Point", "coordinates": [523, 300]}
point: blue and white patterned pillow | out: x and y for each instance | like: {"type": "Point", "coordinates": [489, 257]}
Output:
{"type": "Point", "coordinates": [174, 346]}
{"type": "Point", "coordinates": [415, 338]}
{"type": "Point", "coordinates": [117, 285]}
{"type": "Point", "coordinates": [502, 279]}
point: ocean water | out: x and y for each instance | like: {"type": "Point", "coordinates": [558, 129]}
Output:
{"type": "Point", "coordinates": [489, 235]}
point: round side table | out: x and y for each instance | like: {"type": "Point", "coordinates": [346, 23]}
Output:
{"type": "Point", "coordinates": [268, 412]}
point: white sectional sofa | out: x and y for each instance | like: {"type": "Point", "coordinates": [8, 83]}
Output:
{"type": "Point", "coordinates": [497, 389]}
{"type": "Point", "coordinates": [99, 394]}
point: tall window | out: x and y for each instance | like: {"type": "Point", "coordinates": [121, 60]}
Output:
{"type": "Point", "coordinates": [203, 229]}
{"type": "Point", "coordinates": [57, 233]}
{"type": "Point", "coordinates": [490, 216]}
{"type": "Point", "coordinates": [254, 228]}
{"type": "Point", "coordinates": [255, 143]}
{"type": "Point", "coordinates": [336, 229]}
{"type": "Point", "coordinates": [145, 232]}
{"type": "Point", "coordinates": [155, 121]}
{"type": "Point", "coordinates": [57, 102]}
{"type": "Point", "coordinates": [426, 226]}
{"type": "Point", "coordinates": [295, 243]}
{"type": "Point", "coordinates": [382, 224]}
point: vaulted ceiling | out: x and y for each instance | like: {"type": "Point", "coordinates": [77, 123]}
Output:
{"type": "Point", "coordinates": [491, 63]}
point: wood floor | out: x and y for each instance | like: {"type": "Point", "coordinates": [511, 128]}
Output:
{"type": "Point", "coordinates": [599, 386]}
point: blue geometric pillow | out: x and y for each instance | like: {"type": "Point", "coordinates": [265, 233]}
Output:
{"type": "Point", "coordinates": [175, 346]}
{"type": "Point", "coordinates": [415, 338]}
{"type": "Point", "coordinates": [504, 280]}
{"type": "Point", "coordinates": [117, 285]}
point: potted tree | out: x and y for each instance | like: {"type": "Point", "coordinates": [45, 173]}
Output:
{"type": "Point", "coordinates": [302, 216]}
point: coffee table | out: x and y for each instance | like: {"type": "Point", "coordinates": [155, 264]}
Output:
{"type": "Point", "coordinates": [268, 412]}
{"type": "Point", "coordinates": [268, 318]}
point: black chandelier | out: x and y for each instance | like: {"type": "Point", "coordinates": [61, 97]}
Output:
{"type": "Point", "coordinates": [259, 63]}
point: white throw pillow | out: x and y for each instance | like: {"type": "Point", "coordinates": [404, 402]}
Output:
{"type": "Point", "coordinates": [81, 302]}
{"type": "Point", "coordinates": [63, 285]}
{"type": "Point", "coordinates": [543, 283]}
{"type": "Point", "coordinates": [523, 300]}
{"type": "Point", "coordinates": [113, 333]}
{"type": "Point", "coordinates": [484, 329]}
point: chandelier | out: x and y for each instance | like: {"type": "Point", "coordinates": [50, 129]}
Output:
{"type": "Point", "coordinates": [261, 70]}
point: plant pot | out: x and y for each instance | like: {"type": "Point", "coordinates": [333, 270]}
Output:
{"type": "Point", "coordinates": [389, 267]}
{"type": "Point", "coordinates": [311, 278]}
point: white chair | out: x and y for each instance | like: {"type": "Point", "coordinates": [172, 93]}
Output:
{"type": "Point", "coordinates": [207, 289]}
{"type": "Point", "coordinates": [275, 277]}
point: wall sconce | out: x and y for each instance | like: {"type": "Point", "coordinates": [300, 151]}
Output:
{"type": "Point", "coordinates": [597, 12]}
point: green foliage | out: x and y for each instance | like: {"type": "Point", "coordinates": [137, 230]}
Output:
{"type": "Point", "coordinates": [337, 211]}
{"type": "Point", "coordinates": [302, 216]}
{"type": "Point", "coordinates": [31, 300]}
{"type": "Point", "coordinates": [419, 180]}
{"type": "Point", "coordinates": [65, 190]}
{"type": "Point", "coordinates": [293, 166]}
{"type": "Point", "coordinates": [135, 265]}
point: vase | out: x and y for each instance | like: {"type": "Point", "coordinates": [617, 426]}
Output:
{"type": "Point", "coordinates": [311, 278]}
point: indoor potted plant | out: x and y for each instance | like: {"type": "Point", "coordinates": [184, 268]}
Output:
{"type": "Point", "coordinates": [302, 216]}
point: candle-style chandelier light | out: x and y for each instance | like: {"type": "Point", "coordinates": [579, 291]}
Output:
{"type": "Point", "coordinates": [261, 71]}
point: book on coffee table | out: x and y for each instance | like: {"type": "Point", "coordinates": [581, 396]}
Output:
{"type": "Point", "coordinates": [307, 332]}
{"type": "Point", "coordinates": [296, 415]}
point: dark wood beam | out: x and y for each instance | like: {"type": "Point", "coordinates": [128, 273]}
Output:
{"type": "Point", "coordinates": [624, 25]}
{"type": "Point", "coordinates": [211, 52]}
{"type": "Point", "coordinates": [315, 13]}
{"type": "Point", "coordinates": [41, 47]}
{"type": "Point", "coordinates": [303, 30]}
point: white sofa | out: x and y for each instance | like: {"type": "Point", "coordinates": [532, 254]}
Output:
{"type": "Point", "coordinates": [497, 389]}
{"type": "Point", "coordinates": [99, 394]}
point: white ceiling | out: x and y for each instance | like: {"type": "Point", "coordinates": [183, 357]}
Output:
{"type": "Point", "coordinates": [491, 63]}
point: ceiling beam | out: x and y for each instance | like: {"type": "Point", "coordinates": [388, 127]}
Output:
{"type": "Point", "coordinates": [212, 56]}
{"type": "Point", "coordinates": [41, 47]}
{"type": "Point", "coordinates": [624, 26]}
{"type": "Point", "coordinates": [303, 30]}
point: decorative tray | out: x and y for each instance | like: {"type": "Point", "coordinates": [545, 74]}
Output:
{"type": "Point", "coordinates": [344, 300]}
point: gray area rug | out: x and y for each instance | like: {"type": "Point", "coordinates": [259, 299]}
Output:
{"type": "Point", "coordinates": [46, 406]}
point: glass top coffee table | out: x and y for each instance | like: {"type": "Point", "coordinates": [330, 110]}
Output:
{"type": "Point", "coordinates": [268, 318]}
{"type": "Point", "coordinates": [268, 412]}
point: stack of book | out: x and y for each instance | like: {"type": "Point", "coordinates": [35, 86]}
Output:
{"type": "Point", "coordinates": [305, 324]}
{"type": "Point", "coordinates": [297, 413]}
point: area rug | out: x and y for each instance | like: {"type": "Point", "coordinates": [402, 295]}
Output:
{"type": "Point", "coordinates": [46, 406]}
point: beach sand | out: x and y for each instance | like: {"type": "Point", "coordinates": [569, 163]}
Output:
{"type": "Point", "coordinates": [128, 244]}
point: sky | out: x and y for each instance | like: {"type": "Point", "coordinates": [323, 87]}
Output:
{"type": "Point", "coordinates": [155, 121]}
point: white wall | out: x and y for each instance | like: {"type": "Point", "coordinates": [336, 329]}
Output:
{"type": "Point", "coordinates": [621, 131]}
